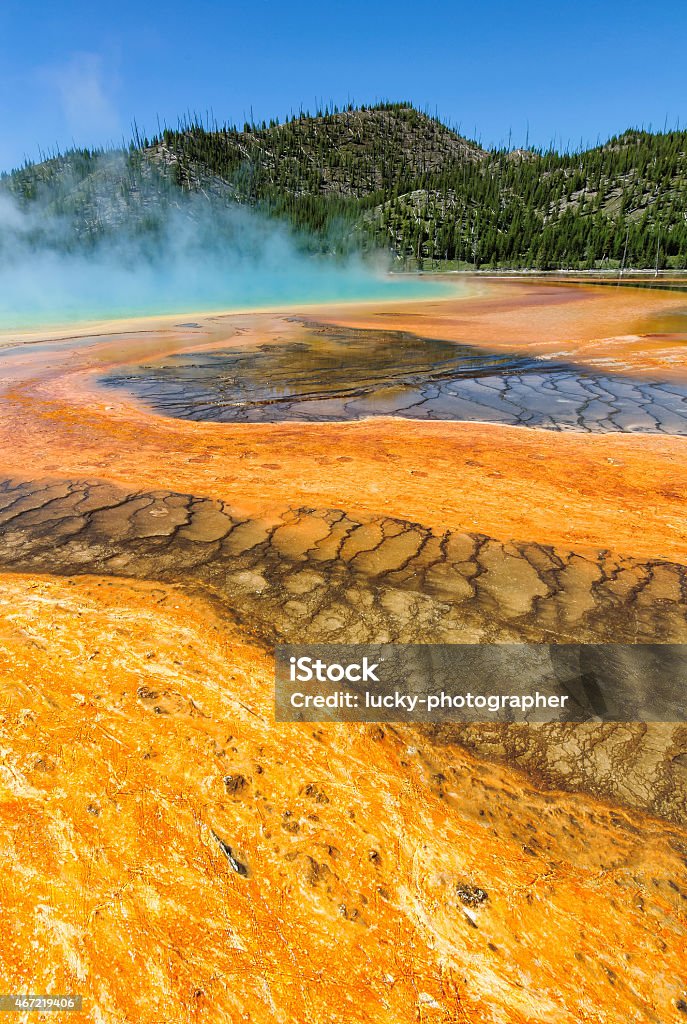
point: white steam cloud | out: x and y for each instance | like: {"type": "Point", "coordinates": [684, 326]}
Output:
{"type": "Point", "coordinates": [130, 250]}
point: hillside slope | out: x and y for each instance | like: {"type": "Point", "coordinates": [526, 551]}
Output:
{"type": "Point", "coordinates": [385, 177]}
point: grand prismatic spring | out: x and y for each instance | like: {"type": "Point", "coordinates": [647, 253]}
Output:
{"type": "Point", "coordinates": [504, 462]}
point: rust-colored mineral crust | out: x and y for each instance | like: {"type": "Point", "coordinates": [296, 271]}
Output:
{"type": "Point", "coordinates": [137, 728]}
{"type": "Point", "coordinates": [170, 852]}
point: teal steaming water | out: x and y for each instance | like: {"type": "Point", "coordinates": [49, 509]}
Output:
{"type": "Point", "coordinates": [52, 292]}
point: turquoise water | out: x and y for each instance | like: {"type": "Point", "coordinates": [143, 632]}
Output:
{"type": "Point", "coordinates": [53, 291]}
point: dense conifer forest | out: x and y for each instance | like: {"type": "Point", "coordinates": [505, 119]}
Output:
{"type": "Point", "coordinates": [384, 177]}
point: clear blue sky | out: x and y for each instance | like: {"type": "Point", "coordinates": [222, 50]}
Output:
{"type": "Point", "coordinates": [81, 71]}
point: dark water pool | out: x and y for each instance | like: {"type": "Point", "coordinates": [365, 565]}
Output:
{"type": "Point", "coordinates": [334, 373]}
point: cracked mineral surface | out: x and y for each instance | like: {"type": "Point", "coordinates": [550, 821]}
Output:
{"type": "Point", "coordinates": [171, 852]}
{"type": "Point", "coordinates": [350, 373]}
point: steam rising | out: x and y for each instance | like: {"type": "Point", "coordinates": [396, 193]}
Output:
{"type": "Point", "coordinates": [115, 243]}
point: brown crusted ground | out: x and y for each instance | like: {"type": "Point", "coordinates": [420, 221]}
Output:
{"type": "Point", "coordinates": [128, 703]}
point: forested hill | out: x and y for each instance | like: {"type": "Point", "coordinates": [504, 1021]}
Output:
{"type": "Point", "coordinates": [387, 177]}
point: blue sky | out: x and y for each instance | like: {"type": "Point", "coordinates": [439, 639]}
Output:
{"type": "Point", "coordinates": [80, 72]}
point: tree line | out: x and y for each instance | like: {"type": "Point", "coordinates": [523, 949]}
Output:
{"type": "Point", "coordinates": [392, 177]}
